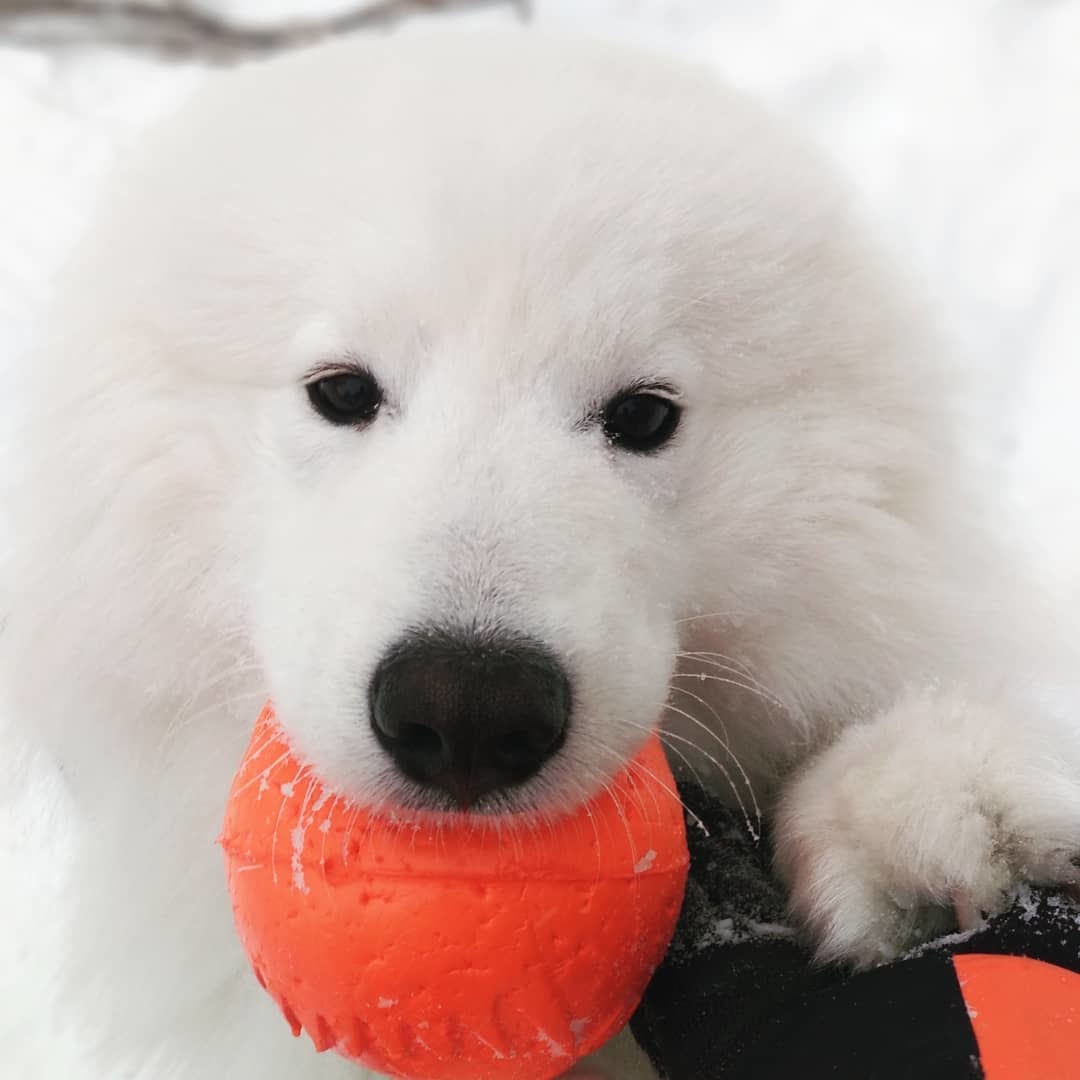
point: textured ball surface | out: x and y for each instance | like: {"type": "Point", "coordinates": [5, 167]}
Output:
{"type": "Point", "coordinates": [453, 949]}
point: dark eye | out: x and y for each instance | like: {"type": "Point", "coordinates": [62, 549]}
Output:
{"type": "Point", "coordinates": [640, 422]}
{"type": "Point", "coordinates": [349, 397]}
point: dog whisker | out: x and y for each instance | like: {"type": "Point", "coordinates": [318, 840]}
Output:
{"type": "Point", "coordinates": [666, 737]}
{"type": "Point", "coordinates": [623, 763]}
{"type": "Point", "coordinates": [731, 661]}
{"type": "Point", "coordinates": [726, 744]}
{"type": "Point", "coordinates": [701, 676]}
{"type": "Point", "coordinates": [755, 831]}
{"type": "Point", "coordinates": [605, 784]}
{"type": "Point", "coordinates": [637, 766]}
{"type": "Point", "coordinates": [720, 723]}
{"type": "Point", "coordinates": [584, 794]}
{"type": "Point", "coordinates": [737, 677]}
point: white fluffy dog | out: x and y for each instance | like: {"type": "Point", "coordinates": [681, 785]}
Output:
{"type": "Point", "coordinates": [394, 377]}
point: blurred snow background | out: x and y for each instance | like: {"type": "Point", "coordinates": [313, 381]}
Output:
{"type": "Point", "coordinates": [958, 123]}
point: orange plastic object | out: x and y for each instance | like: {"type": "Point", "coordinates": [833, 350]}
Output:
{"type": "Point", "coordinates": [1025, 1014]}
{"type": "Point", "coordinates": [460, 950]}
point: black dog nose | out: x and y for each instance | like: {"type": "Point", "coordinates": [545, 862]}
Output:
{"type": "Point", "coordinates": [469, 716]}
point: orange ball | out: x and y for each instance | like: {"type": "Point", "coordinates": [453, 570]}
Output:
{"type": "Point", "coordinates": [452, 949]}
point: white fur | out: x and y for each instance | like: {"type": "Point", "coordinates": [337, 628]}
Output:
{"type": "Point", "coordinates": [943, 803]}
{"type": "Point", "coordinates": [508, 231]}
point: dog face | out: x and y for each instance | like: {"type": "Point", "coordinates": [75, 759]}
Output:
{"type": "Point", "coordinates": [508, 362]}
{"type": "Point", "coordinates": [486, 442]}
{"type": "Point", "coordinates": [473, 472]}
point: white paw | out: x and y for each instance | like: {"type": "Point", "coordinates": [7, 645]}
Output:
{"type": "Point", "coordinates": [925, 818]}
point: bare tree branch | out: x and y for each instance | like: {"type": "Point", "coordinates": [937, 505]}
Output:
{"type": "Point", "coordinates": [183, 29]}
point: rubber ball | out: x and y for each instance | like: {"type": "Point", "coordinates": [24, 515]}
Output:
{"type": "Point", "coordinates": [452, 947]}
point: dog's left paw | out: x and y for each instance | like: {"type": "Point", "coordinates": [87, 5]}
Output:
{"type": "Point", "coordinates": [923, 820]}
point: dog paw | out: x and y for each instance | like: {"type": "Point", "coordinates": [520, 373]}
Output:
{"type": "Point", "coordinates": [923, 821]}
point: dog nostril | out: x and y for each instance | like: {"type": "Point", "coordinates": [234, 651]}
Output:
{"type": "Point", "coordinates": [408, 739]}
{"type": "Point", "coordinates": [422, 739]}
{"type": "Point", "coordinates": [469, 717]}
{"type": "Point", "coordinates": [516, 751]}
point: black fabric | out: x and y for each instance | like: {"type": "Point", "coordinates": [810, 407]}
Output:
{"type": "Point", "coordinates": [893, 1023]}
{"type": "Point", "coordinates": [738, 996]}
{"type": "Point", "coordinates": [1042, 924]}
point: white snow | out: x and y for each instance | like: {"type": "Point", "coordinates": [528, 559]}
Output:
{"type": "Point", "coordinates": [957, 123]}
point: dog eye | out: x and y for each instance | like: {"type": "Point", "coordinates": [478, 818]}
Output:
{"type": "Point", "coordinates": [349, 397]}
{"type": "Point", "coordinates": [640, 422]}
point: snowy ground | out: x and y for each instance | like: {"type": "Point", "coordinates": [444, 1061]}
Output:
{"type": "Point", "coordinates": [957, 122]}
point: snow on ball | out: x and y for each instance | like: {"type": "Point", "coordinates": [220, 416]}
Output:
{"type": "Point", "coordinates": [452, 949]}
